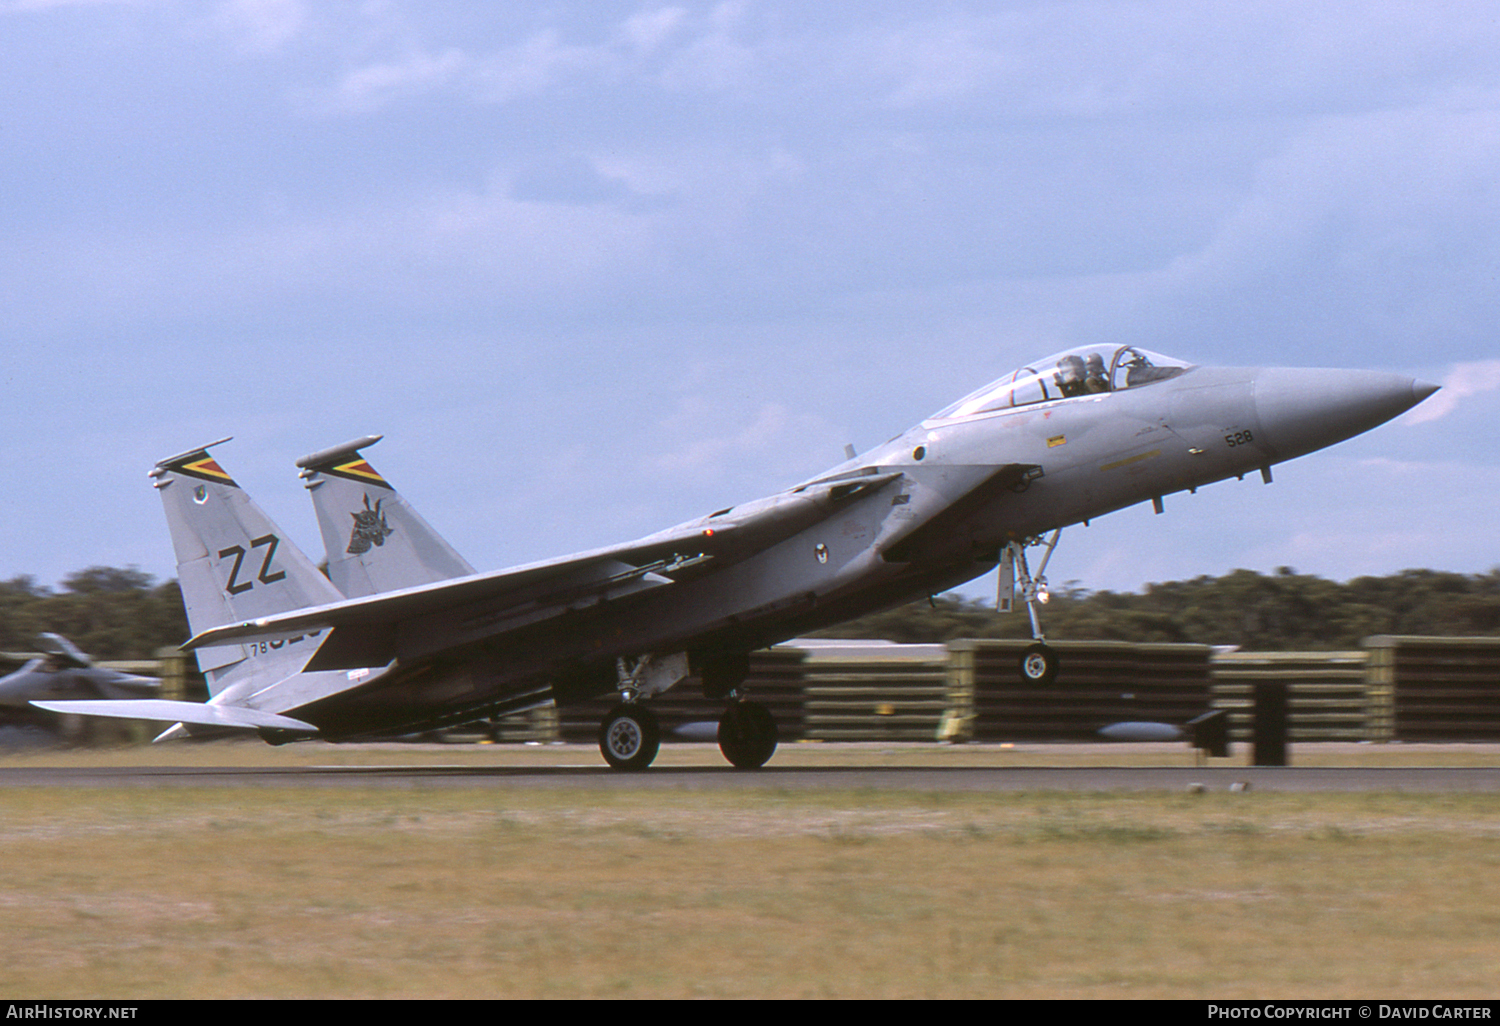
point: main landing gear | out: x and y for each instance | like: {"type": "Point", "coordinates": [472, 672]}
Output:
{"type": "Point", "coordinates": [747, 735]}
{"type": "Point", "coordinates": [1039, 661]}
{"type": "Point", "coordinates": [747, 732]}
{"type": "Point", "coordinates": [630, 735]}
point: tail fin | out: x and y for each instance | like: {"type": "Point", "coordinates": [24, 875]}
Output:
{"type": "Point", "coordinates": [233, 562]}
{"type": "Point", "coordinates": [375, 541]}
{"type": "Point", "coordinates": [63, 651]}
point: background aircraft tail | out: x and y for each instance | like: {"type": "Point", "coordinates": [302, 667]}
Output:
{"type": "Point", "coordinates": [235, 564]}
{"type": "Point", "coordinates": [375, 541]}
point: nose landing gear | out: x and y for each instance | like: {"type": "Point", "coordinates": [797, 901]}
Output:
{"type": "Point", "coordinates": [1039, 662]}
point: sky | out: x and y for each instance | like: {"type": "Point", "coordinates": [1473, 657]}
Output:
{"type": "Point", "coordinates": [595, 268]}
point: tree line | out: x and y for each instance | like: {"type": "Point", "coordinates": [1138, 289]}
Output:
{"type": "Point", "coordinates": [114, 613]}
{"type": "Point", "coordinates": [108, 612]}
{"type": "Point", "coordinates": [1280, 611]}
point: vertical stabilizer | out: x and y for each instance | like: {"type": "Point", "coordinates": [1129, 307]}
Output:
{"type": "Point", "coordinates": [234, 563]}
{"type": "Point", "coordinates": [375, 541]}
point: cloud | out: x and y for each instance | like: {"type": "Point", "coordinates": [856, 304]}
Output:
{"type": "Point", "coordinates": [1461, 382]}
{"type": "Point", "coordinates": [25, 6]}
{"type": "Point", "coordinates": [261, 26]}
{"type": "Point", "coordinates": [375, 85]}
{"type": "Point", "coordinates": [649, 30]}
{"type": "Point", "coordinates": [700, 444]}
{"type": "Point", "coordinates": [541, 61]}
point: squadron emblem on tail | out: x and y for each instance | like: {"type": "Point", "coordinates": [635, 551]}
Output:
{"type": "Point", "coordinates": [370, 528]}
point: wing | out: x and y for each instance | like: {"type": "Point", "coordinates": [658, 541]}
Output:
{"type": "Point", "coordinates": [419, 621]}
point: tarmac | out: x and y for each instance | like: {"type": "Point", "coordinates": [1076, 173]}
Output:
{"type": "Point", "coordinates": [856, 766]}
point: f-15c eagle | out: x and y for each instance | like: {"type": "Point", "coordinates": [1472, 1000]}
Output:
{"type": "Point", "coordinates": [405, 636]}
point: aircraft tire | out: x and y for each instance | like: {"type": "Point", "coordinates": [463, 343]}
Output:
{"type": "Point", "coordinates": [629, 737]}
{"type": "Point", "coordinates": [1038, 664]}
{"type": "Point", "coordinates": [747, 735]}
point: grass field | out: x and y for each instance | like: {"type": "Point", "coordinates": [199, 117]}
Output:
{"type": "Point", "coordinates": [501, 891]}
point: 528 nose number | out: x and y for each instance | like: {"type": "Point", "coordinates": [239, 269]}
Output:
{"type": "Point", "coordinates": [1238, 438]}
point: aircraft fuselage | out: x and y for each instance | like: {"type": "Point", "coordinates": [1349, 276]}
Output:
{"type": "Point", "coordinates": [939, 503]}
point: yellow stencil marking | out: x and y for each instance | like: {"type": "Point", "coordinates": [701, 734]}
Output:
{"type": "Point", "coordinates": [1128, 460]}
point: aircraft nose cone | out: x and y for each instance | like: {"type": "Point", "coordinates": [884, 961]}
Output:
{"type": "Point", "coordinates": [1301, 410]}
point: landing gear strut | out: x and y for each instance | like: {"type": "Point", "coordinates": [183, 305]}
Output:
{"type": "Point", "coordinates": [1039, 662]}
{"type": "Point", "coordinates": [723, 673]}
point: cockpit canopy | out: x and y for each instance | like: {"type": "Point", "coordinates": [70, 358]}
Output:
{"type": "Point", "coordinates": [1087, 370]}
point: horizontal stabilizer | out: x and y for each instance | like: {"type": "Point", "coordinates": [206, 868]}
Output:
{"type": "Point", "coordinates": [181, 712]}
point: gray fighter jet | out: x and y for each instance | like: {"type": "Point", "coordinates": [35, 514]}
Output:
{"type": "Point", "coordinates": [64, 672]}
{"type": "Point", "coordinates": [1057, 442]}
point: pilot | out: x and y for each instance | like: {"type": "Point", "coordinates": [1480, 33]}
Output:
{"type": "Point", "coordinates": [1094, 380]}
{"type": "Point", "coordinates": [1070, 375]}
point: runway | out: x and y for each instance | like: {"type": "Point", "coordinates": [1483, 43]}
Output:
{"type": "Point", "coordinates": [829, 768]}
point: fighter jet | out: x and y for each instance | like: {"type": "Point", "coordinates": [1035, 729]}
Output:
{"type": "Point", "coordinates": [1057, 442]}
{"type": "Point", "coordinates": [64, 672]}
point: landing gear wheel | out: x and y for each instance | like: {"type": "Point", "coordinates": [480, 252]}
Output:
{"type": "Point", "coordinates": [1038, 664]}
{"type": "Point", "coordinates": [747, 735]}
{"type": "Point", "coordinates": [629, 737]}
